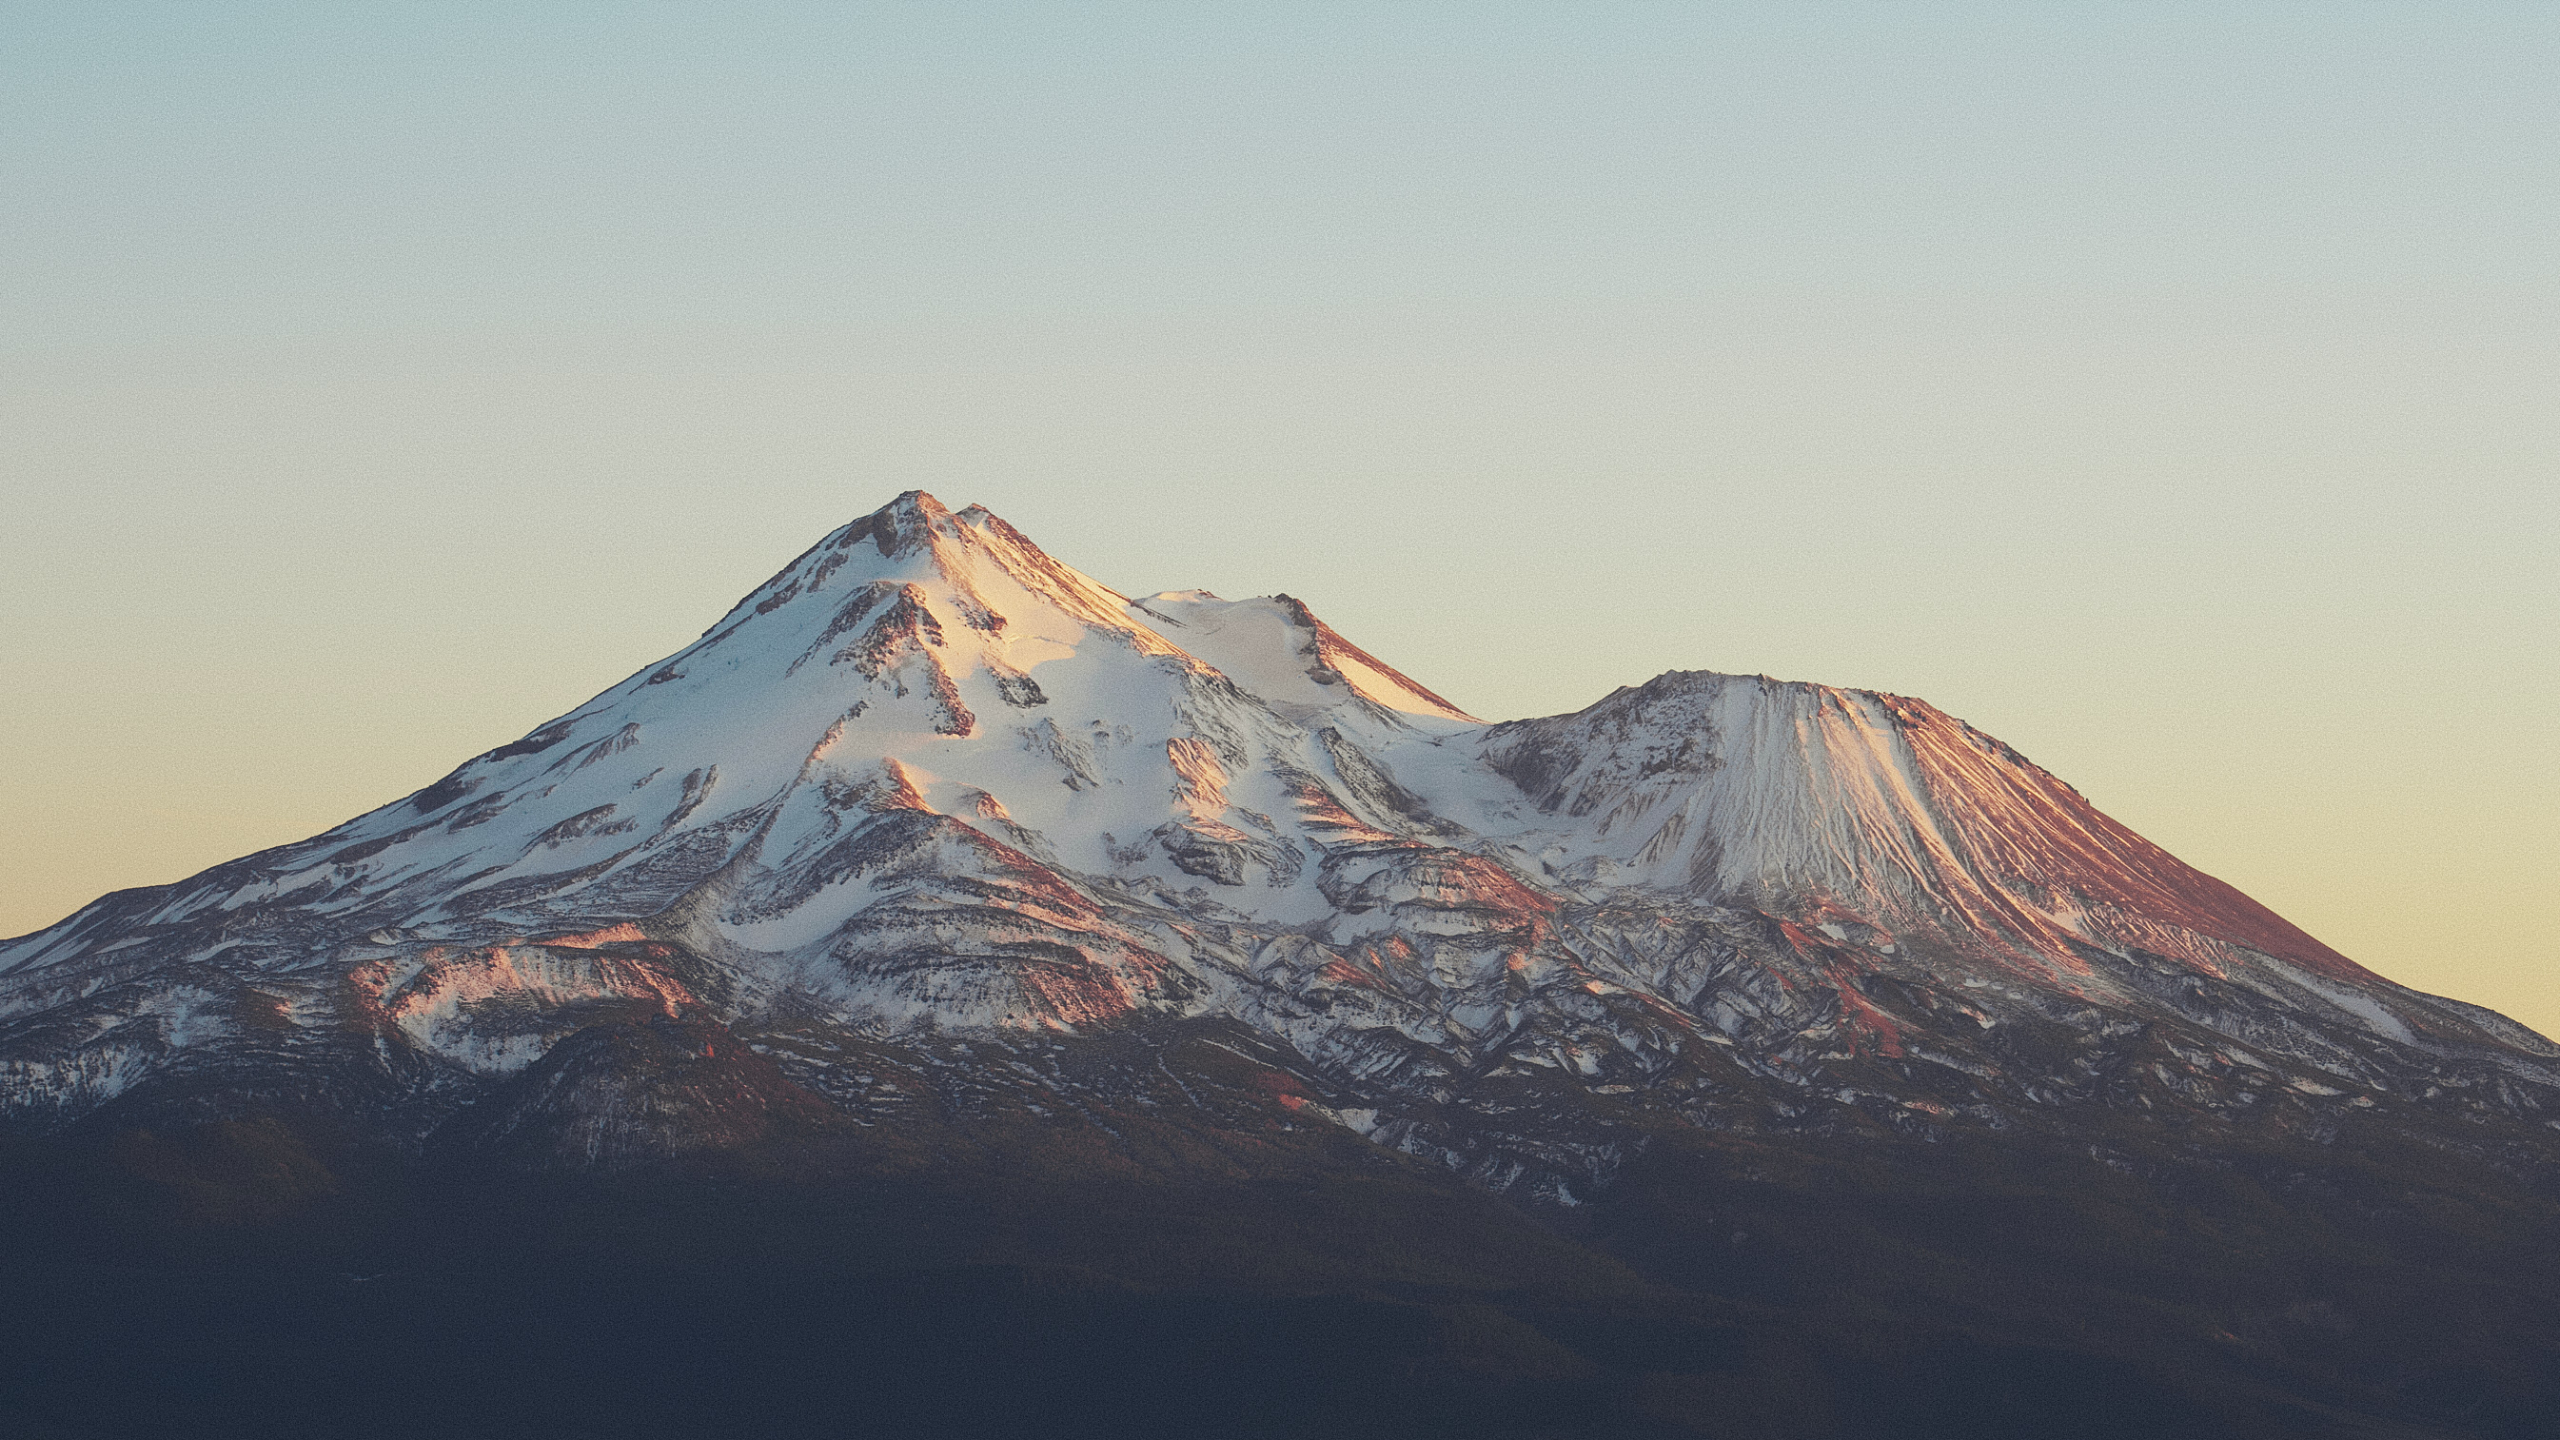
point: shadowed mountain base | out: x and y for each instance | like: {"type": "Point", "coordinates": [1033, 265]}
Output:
{"type": "Point", "coordinates": [1011, 1275]}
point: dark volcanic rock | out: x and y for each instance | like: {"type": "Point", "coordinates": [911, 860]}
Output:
{"type": "Point", "coordinates": [613, 1096]}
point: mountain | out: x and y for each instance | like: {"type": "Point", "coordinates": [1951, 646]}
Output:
{"type": "Point", "coordinates": [934, 845]}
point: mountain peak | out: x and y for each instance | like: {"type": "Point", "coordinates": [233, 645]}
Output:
{"type": "Point", "coordinates": [936, 847]}
{"type": "Point", "coordinates": [928, 777]}
{"type": "Point", "coordinates": [1275, 647]}
{"type": "Point", "coordinates": [904, 524]}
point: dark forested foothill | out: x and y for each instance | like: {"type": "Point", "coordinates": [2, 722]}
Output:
{"type": "Point", "coordinates": [1020, 1274]}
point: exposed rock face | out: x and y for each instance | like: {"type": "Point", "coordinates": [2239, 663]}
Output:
{"type": "Point", "coordinates": [610, 1096]}
{"type": "Point", "coordinates": [928, 785]}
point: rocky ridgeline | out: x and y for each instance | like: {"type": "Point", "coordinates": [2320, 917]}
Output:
{"type": "Point", "coordinates": [931, 823]}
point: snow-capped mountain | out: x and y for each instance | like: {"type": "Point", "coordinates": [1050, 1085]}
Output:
{"type": "Point", "coordinates": [933, 803]}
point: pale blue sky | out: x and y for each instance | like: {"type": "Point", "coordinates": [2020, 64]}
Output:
{"type": "Point", "coordinates": [2168, 389]}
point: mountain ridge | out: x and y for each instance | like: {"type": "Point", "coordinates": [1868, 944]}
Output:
{"type": "Point", "coordinates": [1730, 1056]}
{"type": "Point", "coordinates": [876, 713]}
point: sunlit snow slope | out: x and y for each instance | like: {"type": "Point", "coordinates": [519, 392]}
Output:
{"type": "Point", "coordinates": [929, 779]}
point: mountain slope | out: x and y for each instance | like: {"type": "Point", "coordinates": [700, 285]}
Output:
{"type": "Point", "coordinates": [928, 776]}
{"type": "Point", "coordinates": [1731, 1056]}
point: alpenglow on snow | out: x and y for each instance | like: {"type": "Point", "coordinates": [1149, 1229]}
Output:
{"type": "Point", "coordinates": [929, 786]}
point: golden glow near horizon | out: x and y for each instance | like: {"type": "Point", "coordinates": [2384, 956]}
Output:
{"type": "Point", "coordinates": [2168, 395]}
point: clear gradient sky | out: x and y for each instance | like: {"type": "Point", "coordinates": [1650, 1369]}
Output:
{"type": "Point", "coordinates": [2172, 390]}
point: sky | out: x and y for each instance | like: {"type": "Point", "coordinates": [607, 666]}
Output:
{"type": "Point", "coordinates": [2172, 390]}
